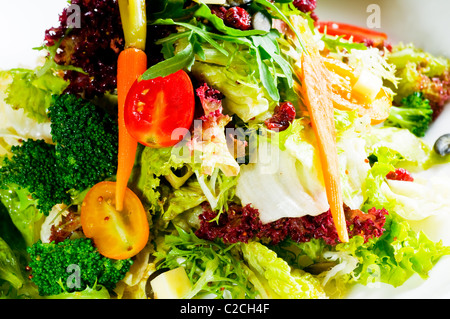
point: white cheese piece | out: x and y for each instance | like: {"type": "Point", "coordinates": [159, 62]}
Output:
{"type": "Point", "coordinates": [172, 284]}
{"type": "Point", "coordinates": [368, 85]}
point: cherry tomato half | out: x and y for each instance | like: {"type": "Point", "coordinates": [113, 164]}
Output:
{"type": "Point", "coordinates": [116, 234]}
{"type": "Point", "coordinates": [359, 34]}
{"type": "Point", "coordinates": [155, 108]}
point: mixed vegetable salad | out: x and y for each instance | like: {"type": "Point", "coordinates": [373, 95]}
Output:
{"type": "Point", "coordinates": [217, 149]}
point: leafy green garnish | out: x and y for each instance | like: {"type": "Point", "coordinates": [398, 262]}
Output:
{"type": "Point", "coordinates": [213, 268]}
{"type": "Point", "coordinates": [334, 44]}
{"type": "Point", "coordinates": [33, 92]}
{"type": "Point", "coordinates": [182, 60]}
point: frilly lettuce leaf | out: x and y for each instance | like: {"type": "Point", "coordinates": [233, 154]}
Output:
{"type": "Point", "coordinates": [96, 292]}
{"type": "Point", "coordinates": [415, 153]}
{"type": "Point", "coordinates": [23, 212]}
{"type": "Point", "coordinates": [212, 267]}
{"type": "Point", "coordinates": [415, 68]}
{"type": "Point", "coordinates": [403, 54]}
{"type": "Point", "coordinates": [391, 259]}
{"type": "Point", "coordinates": [33, 93]}
{"type": "Point", "coordinates": [152, 165]}
{"type": "Point", "coordinates": [15, 123]}
{"type": "Point", "coordinates": [181, 200]}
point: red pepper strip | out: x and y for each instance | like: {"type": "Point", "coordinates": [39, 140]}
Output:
{"type": "Point", "coordinates": [359, 34]}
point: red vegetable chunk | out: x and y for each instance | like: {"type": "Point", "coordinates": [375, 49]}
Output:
{"type": "Point", "coordinates": [283, 116]}
{"type": "Point", "coordinates": [156, 109]}
{"type": "Point", "coordinates": [400, 174]}
{"type": "Point", "coordinates": [237, 18]}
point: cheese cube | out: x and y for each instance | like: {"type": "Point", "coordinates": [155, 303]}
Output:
{"type": "Point", "coordinates": [368, 85]}
{"type": "Point", "coordinates": [172, 284]}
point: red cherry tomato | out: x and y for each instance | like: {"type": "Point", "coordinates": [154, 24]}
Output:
{"type": "Point", "coordinates": [155, 108]}
{"type": "Point", "coordinates": [360, 35]}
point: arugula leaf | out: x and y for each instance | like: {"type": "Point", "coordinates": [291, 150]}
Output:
{"type": "Point", "coordinates": [200, 32]}
{"type": "Point", "coordinates": [269, 45]}
{"type": "Point", "coordinates": [186, 57]}
{"type": "Point", "coordinates": [283, 17]}
{"type": "Point", "coordinates": [263, 45]}
{"type": "Point", "coordinates": [183, 59]}
{"type": "Point", "coordinates": [266, 77]}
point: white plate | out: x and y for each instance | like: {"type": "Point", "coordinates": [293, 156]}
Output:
{"type": "Point", "coordinates": [426, 23]}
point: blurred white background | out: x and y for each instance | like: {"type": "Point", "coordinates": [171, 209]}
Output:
{"type": "Point", "coordinates": [22, 27]}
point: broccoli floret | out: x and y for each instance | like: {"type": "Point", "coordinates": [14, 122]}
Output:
{"type": "Point", "coordinates": [73, 265]}
{"type": "Point", "coordinates": [86, 140]}
{"type": "Point", "coordinates": [415, 114]}
{"type": "Point", "coordinates": [83, 153]}
{"type": "Point", "coordinates": [33, 166]}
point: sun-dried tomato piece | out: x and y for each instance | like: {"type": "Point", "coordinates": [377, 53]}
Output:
{"type": "Point", "coordinates": [68, 225]}
{"type": "Point", "coordinates": [283, 116]}
{"type": "Point", "coordinates": [305, 5]}
{"type": "Point", "coordinates": [400, 174]}
{"type": "Point", "coordinates": [238, 18]}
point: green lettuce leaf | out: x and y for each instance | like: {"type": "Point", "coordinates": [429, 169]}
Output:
{"type": "Point", "coordinates": [374, 195]}
{"type": "Point", "coordinates": [10, 268]}
{"type": "Point", "coordinates": [148, 177]}
{"type": "Point", "coordinates": [415, 154]}
{"type": "Point", "coordinates": [183, 199]}
{"type": "Point", "coordinates": [244, 95]}
{"type": "Point", "coordinates": [23, 212]}
{"type": "Point", "coordinates": [391, 259]}
{"type": "Point", "coordinates": [277, 277]}
{"type": "Point", "coordinates": [213, 268]}
{"type": "Point", "coordinates": [415, 69]}
{"type": "Point", "coordinates": [96, 292]}
{"type": "Point", "coordinates": [396, 256]}
{"type": "Point", "coordinates": [15, 124]}
{"type": "Point", "coordinates": [33, 93]}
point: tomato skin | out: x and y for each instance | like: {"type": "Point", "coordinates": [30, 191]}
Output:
{"type": "Point", "coordinates": [155, 108]}
{"type": "Point", "coordinates": [117, 235]}
{"type": "Point", "coordinates": [359, 34]}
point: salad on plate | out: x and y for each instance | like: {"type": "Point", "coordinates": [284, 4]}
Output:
{"type": "Point", "coordinates": [220, 149]}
